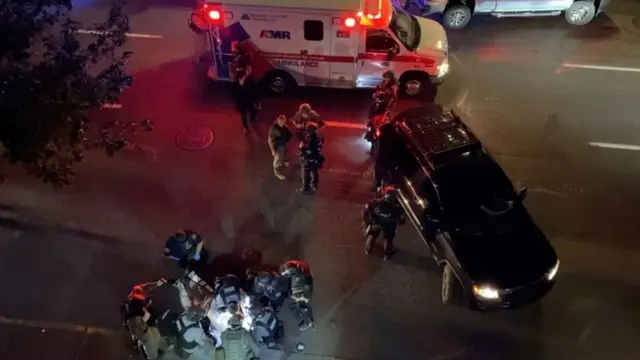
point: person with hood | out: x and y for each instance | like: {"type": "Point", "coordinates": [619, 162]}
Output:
{"type": "Point", "coordinates": [237, 342]}
{"type": "Point", "coordinates": [303, 116]}
{"type": "Point", "coordinates": [245, 95]}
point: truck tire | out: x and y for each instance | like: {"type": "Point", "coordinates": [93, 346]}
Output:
{"type": "Point", "coordinates": [580, 13]}
{"type": "Point", "coordinates": [456, 16]}
{"type": "Point", "coordinates": [451, 293]}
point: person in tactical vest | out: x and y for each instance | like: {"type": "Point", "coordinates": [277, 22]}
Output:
{"type": "Point", "coordinates": [191, 337]}
{"type": "Point", "coordinates": [238, 343]}
{"type": "Point", "coordinates": [382, 216]}
{"type": "Point", "coordinates": [269, 285]}
{"type": "Point", "coordinates": [311, 159]}
{"type": "Point", "coordinates": [299, 273]}
{"type": "Point", "coordinates": [229, 296]}
{"type": "Point", "coordinates": [267, 328]}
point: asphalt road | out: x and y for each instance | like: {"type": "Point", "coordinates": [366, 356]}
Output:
{"type": "Point", "coordinates": [544, 97]}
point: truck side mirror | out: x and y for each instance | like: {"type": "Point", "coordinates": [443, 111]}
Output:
{"type": "Point", "coordinates": [523, 194]}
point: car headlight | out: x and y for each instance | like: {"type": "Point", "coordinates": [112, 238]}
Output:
{"type": "Point", "coordinates": [486, 292]}
{"type": "Point", "coordinates": [443, 68]}
{"type": "Point", "coordinates": [554, 270]}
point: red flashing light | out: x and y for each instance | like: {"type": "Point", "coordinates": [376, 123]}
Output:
{"type": "Point", "coordinates": [350, 22]}
{"type": "Point", "coordinates": [214, 15]}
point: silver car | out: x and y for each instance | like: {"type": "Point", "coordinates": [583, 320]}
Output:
{"type": "Point", "coordinates": [457, 13]}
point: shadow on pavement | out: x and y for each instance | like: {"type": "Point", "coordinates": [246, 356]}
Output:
{"type": "Point", "coordinates": [601, 28]}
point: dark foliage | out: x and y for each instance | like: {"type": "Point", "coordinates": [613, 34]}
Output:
{"type": "Point", "coordinates": [50, 76]}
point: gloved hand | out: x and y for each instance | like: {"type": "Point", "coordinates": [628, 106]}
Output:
{"type": "Point", "coordinates": [196, 256]}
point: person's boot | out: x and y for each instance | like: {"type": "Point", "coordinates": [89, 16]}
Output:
{"type": "Point", "coordinates": [388, 253]}
{"type": "Point", "coordinates": [279, 175]}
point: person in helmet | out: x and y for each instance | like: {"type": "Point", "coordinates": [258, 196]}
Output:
{"type": "Point", "coordinates": [229, 295]}
{"type": "Point", "coordinates": [311, 159]}
{"type": "Point", "coordinates": [266, 326]}
{"type": "Point", "coordinates": [382, 216]}
{"type": "Point", "coordinates": [140, 321]}
{"type": "Point", "coordinates": [237, 342]}
{"type": "Point", "coordinates": [269, 285]}
{"type": "Point", "coordinates": [186, 247]}
{"type": "Point", "coordinates": [388, 89]}
{"type": "Point", "coordinates": [191, 336]}
{"type": "Point", "coordinates": [302, 117]}
{"type": "Point", "coordinates": [301, 289]}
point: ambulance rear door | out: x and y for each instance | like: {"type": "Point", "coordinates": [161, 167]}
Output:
{"type": "Point", "coordinates": [314, 49]}
{"type": "Point", "coordinates": [344, 51]}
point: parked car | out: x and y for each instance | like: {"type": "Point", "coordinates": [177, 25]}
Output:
{"type": "Point", "coordinates": [458, 13]}
{"type": "Point", "coordinates": [465, 208]}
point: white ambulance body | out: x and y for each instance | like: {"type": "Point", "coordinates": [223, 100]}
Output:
{"type": "Point", "coordinates": [327, 43]}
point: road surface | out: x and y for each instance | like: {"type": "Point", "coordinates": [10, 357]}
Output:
{"type": "Point", "coordinates": [555, 104]}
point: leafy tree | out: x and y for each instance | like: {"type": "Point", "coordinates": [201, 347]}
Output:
{"type": "Point", "coordinates": [50, 76]}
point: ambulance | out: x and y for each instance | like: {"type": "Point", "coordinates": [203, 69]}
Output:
{"type": "Point", "coordinates": [325, 43]}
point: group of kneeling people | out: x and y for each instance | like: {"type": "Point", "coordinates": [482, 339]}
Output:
{"type": "Point", "coordinates": [234, 316]}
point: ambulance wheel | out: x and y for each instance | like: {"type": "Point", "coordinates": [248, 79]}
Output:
{"type": "Point", "coordinates": [451, 293]}
{"type": "Point", "coordinates": [414, 84]}
{"type": "Point", "coordinates": [279, 82]}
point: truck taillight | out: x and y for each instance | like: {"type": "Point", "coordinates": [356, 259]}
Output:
{"type": "Point", "coordinates": [350, 22]}
{"type": "Point", "coordinates": [214, 15]}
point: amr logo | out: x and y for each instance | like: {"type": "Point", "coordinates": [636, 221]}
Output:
{"type": "Point", "coordinates": [275, 34]}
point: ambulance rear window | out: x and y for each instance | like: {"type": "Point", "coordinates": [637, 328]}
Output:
{"type": "Point", "coordinates": [313, 30]}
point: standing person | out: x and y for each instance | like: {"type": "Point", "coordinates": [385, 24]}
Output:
{"type": "Point", "coordinates": [241, 60]}
{"type": "Point", "coordinates": [382, 216]}
{"type": "Point", "coordinates": [311, 159]}
{"type": "Point", "coordinates": [279, 136]}
{"type": "Point", "coordinates": [199, 27]}
{"type": "Point", "coordinates": [389, 88]}
{"type": "Point", "coordinates": [245, 93]}
{"type": "Point", "coordinates": [237, 342]}
{"type": "Point", "coordinates": [304, 115]}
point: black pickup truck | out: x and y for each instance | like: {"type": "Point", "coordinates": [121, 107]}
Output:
{"type": "Point", "coordinates": [465, 208]}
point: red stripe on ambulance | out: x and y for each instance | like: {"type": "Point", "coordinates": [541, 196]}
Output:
{"type": "Point", "coordinates": [348, 59]}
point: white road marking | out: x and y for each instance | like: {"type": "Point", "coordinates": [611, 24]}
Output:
{"type": "Point", "coordinates": [601, 67]}
{"type": "Point", "coordinates": [347, 125]}
{"type": "Point", "coordinates": [131, 35]}
{"type": "Point", "coordinates": [112, 106]}
{"type": "Point", "coordinates": [45, 325]}
{"type": "Point", "coordinates": [615, 146]}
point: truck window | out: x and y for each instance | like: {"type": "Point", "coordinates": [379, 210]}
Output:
{"type": "Point", "coordinates": [313, 30]}
{"type": "Point", "coordinates": [379, 42]}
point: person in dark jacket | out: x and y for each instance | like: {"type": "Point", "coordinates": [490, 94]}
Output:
{"type": "Point", "coordinates": [279, 136]}
{"type": "Point", "coordinates": [311, 159]}
{"type": "Point", "coordinates": [245, 93]}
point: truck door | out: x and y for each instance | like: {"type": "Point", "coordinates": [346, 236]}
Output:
{"type": "Point", "coordinates": [315, 50]}
{"type": "Point", "coordinates": [344, 51]}
{"type": "Point", "coordinates": [373, 57]}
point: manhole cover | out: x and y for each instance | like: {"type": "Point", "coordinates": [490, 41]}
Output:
{"type": "Point", "coordinates": [194, 138]}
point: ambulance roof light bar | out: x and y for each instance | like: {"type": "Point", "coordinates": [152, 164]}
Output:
{"type": "Point", "coordinates": [376, 13]}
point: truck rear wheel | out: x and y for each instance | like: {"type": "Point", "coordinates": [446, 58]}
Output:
{"type": "Point", "coordinates": [456, 16]}
{"type": "Point", "coordinates": [580, 13]}
{"type": "Point", "coordinates": [451, 292]}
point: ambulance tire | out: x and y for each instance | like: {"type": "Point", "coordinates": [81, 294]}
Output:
{"type": "Point", "coordinates": [279, 82]}
{"type": "Point", "coordinates": [414, 84]}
